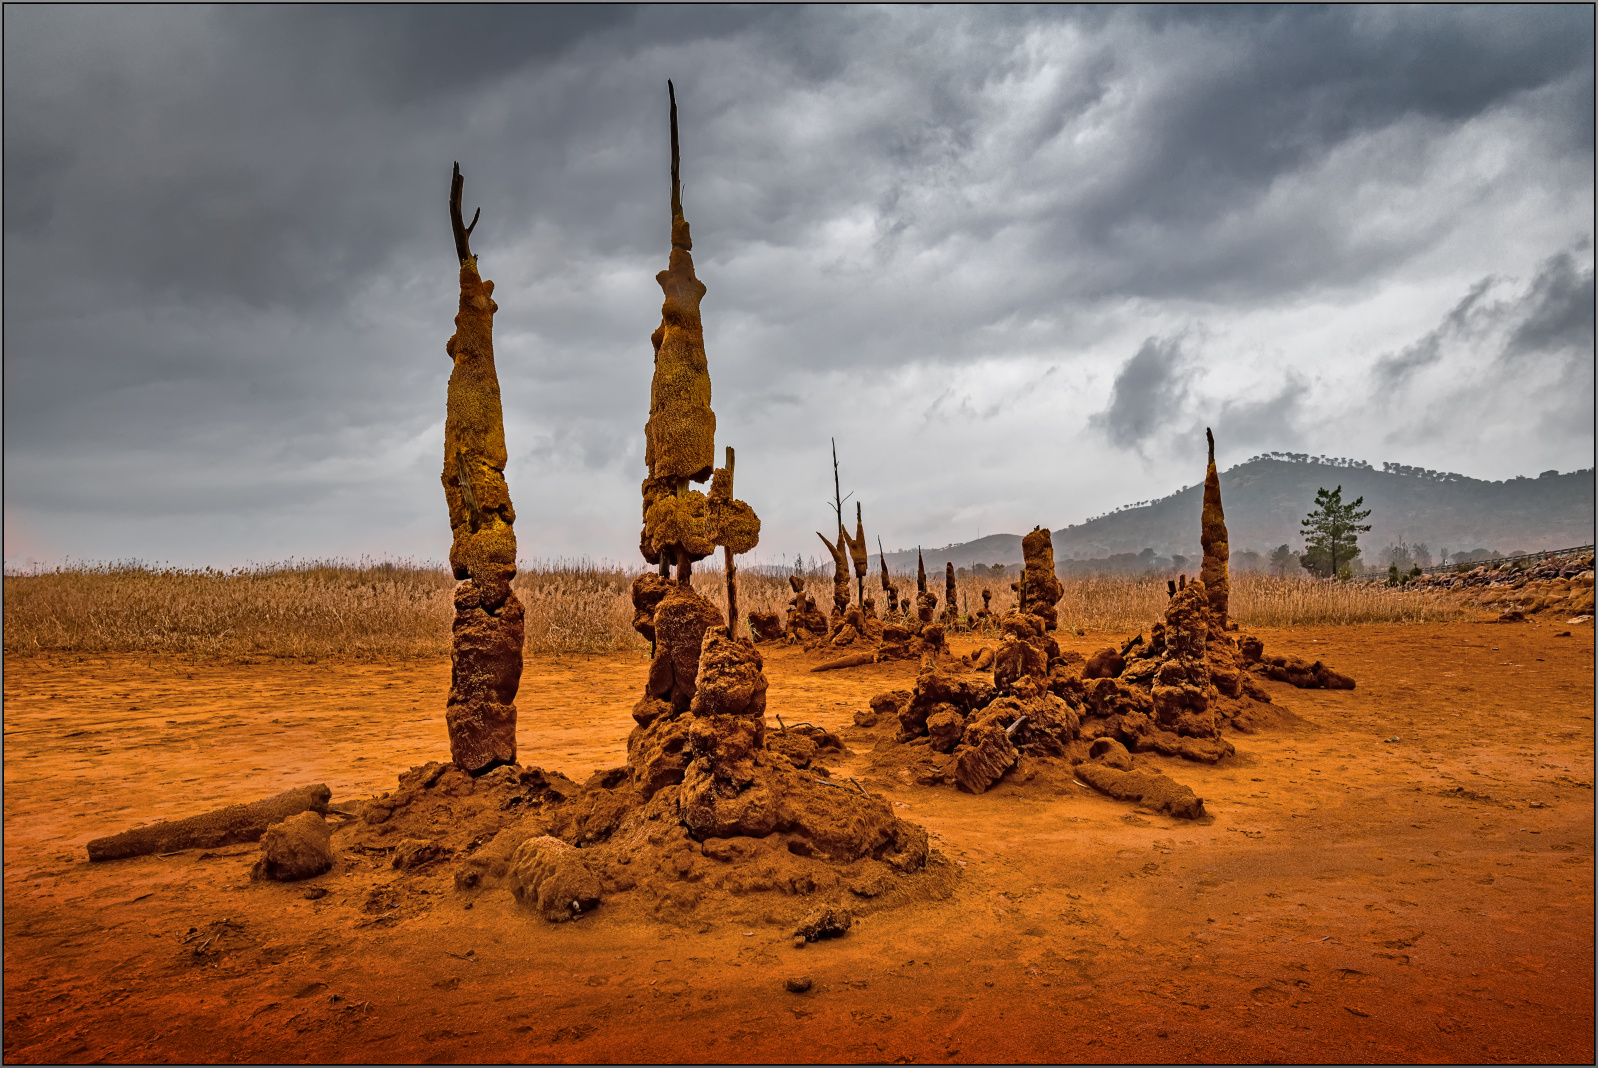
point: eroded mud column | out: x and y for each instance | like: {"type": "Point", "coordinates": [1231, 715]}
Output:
{"type": "Point", "coordinates": [1182, 687]}
{"type": "Point", "coordinates": [1041, 588]}
{"type": "Point", "coordinates": [486, 638]}
{"type": "Point", "coordinates": [679, 448]}
{"type": "Point", "coordinates": [1212, 536]}
{"type": "Point", "coordinates": [858, 554]}
{"type": "Point", "coordinates": [840, 578]}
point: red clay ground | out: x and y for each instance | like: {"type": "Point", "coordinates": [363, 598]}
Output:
{"type": "Point", "coordinates": [1350, 899]}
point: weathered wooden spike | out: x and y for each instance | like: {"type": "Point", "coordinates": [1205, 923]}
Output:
{"type": "Point", "coordinates": [676, 179]}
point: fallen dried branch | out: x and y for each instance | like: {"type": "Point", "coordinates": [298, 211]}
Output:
{"type": "Point", "coordinates": [227, 826]}
{"type": "Point", "coordinates": [852, 660]}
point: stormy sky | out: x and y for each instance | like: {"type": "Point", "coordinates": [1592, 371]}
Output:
{"type": "Point", "coordinates": [1013, 260]}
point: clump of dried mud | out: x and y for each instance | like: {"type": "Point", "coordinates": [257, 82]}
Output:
{"type": "Point", "coordinates": [1172, 695]}
{"type": "Point", "coordinates": [827, 844]}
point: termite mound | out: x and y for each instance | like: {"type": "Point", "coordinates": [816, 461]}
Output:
{"type": "Point", "coordinates": [486, 638]}
{"type": "Point", "coordinates": [711, 806]}
{"type": "Point", "coordinates": [1173, 694]}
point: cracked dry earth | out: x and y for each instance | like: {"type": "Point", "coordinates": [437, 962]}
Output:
{"type": "Point", "coordinates": [1348, 898]}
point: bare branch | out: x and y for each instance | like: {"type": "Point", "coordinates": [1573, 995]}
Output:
{"type": "Point", "coordinates": [463, 233]}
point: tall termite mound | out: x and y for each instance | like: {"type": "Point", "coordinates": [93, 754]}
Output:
{"type": "Point", "coordinates": [486, 639]}
{"type": "Point", "coordinates": [701, 745]}
{"type": "Point", "coordinates": [1041, 588]}
{"type": "Point", "coordinates": [680, 524]}
{"type": "Point", "coordinates": [926, 601]}
{"type": "Point", "coordinates": [707, 810]}
{"type": "Point", "coordinates": [680, 434]}
{"type": "Point", "coordinates": [1212, 536]}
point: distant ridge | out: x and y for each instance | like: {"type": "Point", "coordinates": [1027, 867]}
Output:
{"type": "Point", "coordinates": [1267, 496]}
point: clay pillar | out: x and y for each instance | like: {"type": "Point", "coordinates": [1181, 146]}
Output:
{"type": "Point", "coordinates": [486, 639]}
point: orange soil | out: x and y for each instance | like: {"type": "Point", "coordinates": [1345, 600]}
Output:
{"type": "Point", "coordinates": [1349, 899]}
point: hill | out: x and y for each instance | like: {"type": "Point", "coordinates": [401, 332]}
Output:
{"type": "Point", "coordinates": [1267, 496]}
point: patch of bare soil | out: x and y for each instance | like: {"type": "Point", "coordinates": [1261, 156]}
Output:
{"type": "Point", "coordinates": [1401, 872]}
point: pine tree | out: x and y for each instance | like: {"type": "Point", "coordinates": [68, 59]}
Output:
{"type": "Point", "coordinates": [1331, 532]}
{"type": "Point", "coordinates": [1283, 560]}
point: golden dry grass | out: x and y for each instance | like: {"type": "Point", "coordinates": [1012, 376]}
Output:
{"type": "Point", "coordinates": [307, 609]}
{"type": "Point", "coordinates": [1127, 602]}
{"type": "Point", "coordinates": [399, 609]}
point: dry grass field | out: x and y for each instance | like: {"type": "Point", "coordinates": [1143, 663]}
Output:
{"type": "Point", "coordinates": [402, 609]}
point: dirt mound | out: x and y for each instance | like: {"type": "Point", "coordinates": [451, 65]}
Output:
{"type": "Point", "coordinates": [707, 807]}
{"type": "Point", "coordinates": [1305, 675]}
{"type": "Point", "coordinates": [649, 589]}
{"type": "Point", "coordinates": [827, 843]}
{"type": "Point", "coordinates": [1170, 695]}
{"type": "Point", "coordinates": [766, 627]}
{"type": "Point", "coordinates": [1107, 663]}
{"type": "Point", "coordinates": [805, 620]}
{"type": "Point", "coordinates": [680, 621]}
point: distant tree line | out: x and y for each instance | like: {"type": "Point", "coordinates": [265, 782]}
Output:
{"type": "Point", "coordinates": [1306, 458]}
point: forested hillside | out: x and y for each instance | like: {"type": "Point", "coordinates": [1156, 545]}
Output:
{"type": "Point", "coordinates": [1266, 497]}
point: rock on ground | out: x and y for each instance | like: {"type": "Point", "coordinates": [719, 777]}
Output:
{"type": "Point", "coordinates": [548, 875]}
{"type": "Point", "coordinates": [824, 923]}
{"type": "Point", "coordinates": [984, 755]}
{"type": "Point", "coordinates": [298, 848]}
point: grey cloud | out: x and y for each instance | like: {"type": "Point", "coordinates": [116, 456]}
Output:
{"type": "Point", "coordinates": [1519, 365]}
{"type": "Point", "coordinates": [227, 251]}
{"type": "Point", "coordinates": [1553, 317]}
{"type": "Point", "coordinates": [1462, 319]}
{"type": "Point", "coordinates": [1242, 423]}
{"type": "Point", "coordinates": [1558, 312]}
{"type": "Point", "coordinates": [1148, 392]}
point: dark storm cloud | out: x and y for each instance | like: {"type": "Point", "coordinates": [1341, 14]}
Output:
{"type": "Point", "coordinates": [1558, 312]}
{"type": "Point", "coordinates": [228, 259]}
{"type": "Point", "coordinates": [1551, 318]}
{"type": "Point", "coordinates": [1255, 93]}
{"type": "Point", "coordinates": [1148, 392]}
